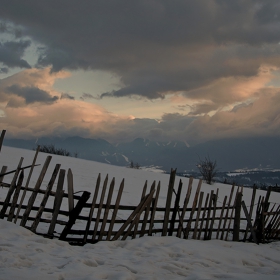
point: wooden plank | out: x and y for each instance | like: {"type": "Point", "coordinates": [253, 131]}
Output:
{"type": "Point", "coordinates": [11, 190]}
{"type": "Point", "coordinates": [236, 224]}
{"type": "Point", "coordinates": [266, 201]}
{"type": "Point", "coordinates": [186, 201]}
{"type": "Point", "coordinates": [203, 215]}
{"type": "Point", "coordinates": [70, 185]}
{"type": "Point", "coordinates": [275, 229]}
{"type": "Point", "coordinates": [188, 227]}
{"type": "Point", "coordinates": [208, 215]}
{"type": "Point", "coordinates": [250, 226]}
{"type": "Point", "coordinates": [74, 214]}
{"type": "Point", "coordinates": [231, 215]}
{"type": "Point", "coordinates": [142, 197]}
{"type": "Point", "coordinates": [15, 197]}
{"type": "Point", "coordinates": [35, 191]}
{"type": "Point", "coordinates": [137, 210]}
{"type": "Point", "coordinates": [147, 201]}
{"type": "Point", "coordinates": [45, 199]}
{"type": "Point", "coordinates": [154, 206]}
{"type": "Point", "coordinates": [118, 199]}
{"type": "Point", "coordinates": [227, 211]}
{"type": "Point", "coordinates": [197, 215]}
{"type": "Point", "coordinates": [268, 217]}
{"type": "Point", "coordinates": [92, 206]}
{"type": "Point", "coordinates": [106, 212]}
{"type": "Point", "coordinates": [215, 199]}
{"type": "Point", "coordinates": [168, 201]}
{"type": "Point", "coordinates": [251, 209]}
{"type": "Point", "coordinates": [2, 172]}
{"type": "Point", "coordinates": [144, 189]}
{"type": "Point", "coordinates": [221, 217]}
{"type": "Point", "coordinates": [176, 208]}
{"type": "Point", "coordinates": [57, 201]}
{"type": "Point", "coordinates": [147, 211]}
{"type": "Point", "coordinates": [272, 223]}
{"type": "Point", "coordinates": [2, 138]}
{"type": "Point", "coordinates": [27, 183]}
{"type": "Point", "coordinates": [100, 207]}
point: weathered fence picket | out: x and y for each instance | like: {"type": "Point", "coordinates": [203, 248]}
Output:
{"type": "Point", "coordinates": [202, 220]}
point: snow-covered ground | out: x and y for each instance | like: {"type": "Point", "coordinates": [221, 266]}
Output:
{"type": "Point", "coordinates": [25, 255]}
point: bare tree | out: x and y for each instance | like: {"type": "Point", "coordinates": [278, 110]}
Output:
{"type": "Point", "coordinates": [208, 169]}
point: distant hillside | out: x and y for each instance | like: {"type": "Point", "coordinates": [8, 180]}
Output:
{"type": "Point", "coordinates": [230, 154]}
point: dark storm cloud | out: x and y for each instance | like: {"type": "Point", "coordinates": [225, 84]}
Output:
{"type": "Point", "coordinates": [67, 96]}
{"type": "Point", "coordinates": [11, 53]}
{"type": "Point", "coordinates": [31, 94]}
{"type": "Point", "coordinates": [87, 96]}
{"type": "Point", "coordinates": [154, 46]}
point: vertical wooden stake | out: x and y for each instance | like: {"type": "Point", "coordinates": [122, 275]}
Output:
{"type": "Point", "coordinates": [236, 226]}
{"type": "Point", "coordinates": [70, 190]}
{"type": "Point", "coordinates": [92, 207]}
{"type": "Point", "coordinates": [35, 192]}
{"type": "Point", "coordinates": [168, 201]}
{"type": "Point", "coordinates": [11, 190]}
{"type": "Point", "coordinates": [27, 183]}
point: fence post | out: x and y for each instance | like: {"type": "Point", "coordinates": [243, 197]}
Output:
{"type": "Point", "coordinates": [168, 201]}
{"type": "Point", "coordinates": [236, 226]}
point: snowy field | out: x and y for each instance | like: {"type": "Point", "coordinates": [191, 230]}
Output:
{"type": "Point", "coordinates": [24, 255]}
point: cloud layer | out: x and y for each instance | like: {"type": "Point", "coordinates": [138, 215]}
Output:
{"type": "Point", "coordinates": [216, 57]}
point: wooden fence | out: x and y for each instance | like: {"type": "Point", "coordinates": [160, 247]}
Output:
{"type": "Point", "coordinates": [205, 216]}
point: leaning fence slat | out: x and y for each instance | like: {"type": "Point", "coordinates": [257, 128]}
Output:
{"type": "Point", "coordinates": [198, 214]}
{"type": "Point", "coordinates": [221, 217]}
{"type": "Point", "coordinates": [250, 226]}
{"type": "Point", "coordinates": [208, 215]}
{"type": "Point", "coordinates": [137, 210]}
{"type": "Point", "coordinates": [273, 222]}
{"type": "Point", "coordinates": [92, 206]}
{"type": "Point", "coordinates": [148, 208]}
{"type": "Point", "coordinates": [70, 190]}
{"type": "Point", "coordinates": [27, 183]}
{"type": "Point", "coordinates": [142, 197]}
{"type": "Point", "coordinates": [15, 198]}
{"type": "Point", "coordinates": [168, 201]}
{"type": "Point", "coordinates": [100, 208]}
{"type": "Point", "coordinates": [176, 208]}
{"type": "Point", "coordinates": [237, 214]}
{"type": "Point", "coordinates": [227, 211]}
{"type": "Point", "coordinates": [35, 192]}
{"type": "Point", "coordinates": [188, 227]}
{"type": "Point", "coordinates": [11, 190]}
{"type": "Point", "coordinates": [3, 170]}
{"type": "Point", "coordinates": [203, 216]}
{"type": "Point", "coordinates": [146, 202]}
{"type": "Point", "coordinates": [129, 219]}
{"type": "Point", "coordinates": [74, 214]}
{"type": "Point", "coordinates": [231, 215]}
{"type": "Point", "coordinates": [106, 212]}
{"type": "Point", "coordinates": [186, 201]}
{"type": "Point", "coordinates": [57, 201]}
{"type": "Point", "coordinates": [251, 210]}
{"type": "Point", "coordinates": [115, 210]}
{"type": "Point", "coordinates": [2, 138]}
{"type": "Point", "coordinates": [45, 198]}
{"type": "Point", "coordinates": [215, 199]}
{"type": "Point", "coordinates": [154, 206]}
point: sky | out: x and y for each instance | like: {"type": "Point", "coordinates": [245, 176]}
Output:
{"type": "Point", "coordinates": [165, 70]}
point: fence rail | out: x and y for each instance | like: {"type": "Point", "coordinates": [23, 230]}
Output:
{"type": "Point", "coordinates": [43, 210]}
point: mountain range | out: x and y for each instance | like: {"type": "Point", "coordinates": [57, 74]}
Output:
{"type": "Point", "coordinates": [230, 154]}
